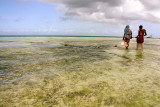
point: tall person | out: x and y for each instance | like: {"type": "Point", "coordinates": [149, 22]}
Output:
{"type": "Point", "coordinates": [140, 37]}
{"type": "Point", "coordinates": [127, 36]}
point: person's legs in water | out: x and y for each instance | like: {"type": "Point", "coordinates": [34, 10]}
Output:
{"type": "Point", "coordinates": [139, 45]}
{"type": "Point", "coordinates": [127, 43]}
{"type": "Point", "coordinates": [127, 40]}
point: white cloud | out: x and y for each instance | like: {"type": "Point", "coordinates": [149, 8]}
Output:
{"type": "Point", "coordinates": [109, 11]}
{"type": "Point", "coordinates": [151, 4]}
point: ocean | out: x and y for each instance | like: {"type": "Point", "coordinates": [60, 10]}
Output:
{"type": "Point", "coordinates": [78, 71]}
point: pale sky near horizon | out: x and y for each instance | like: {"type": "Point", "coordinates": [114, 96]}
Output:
{"type": "Point", "coordinates": [78, 17]}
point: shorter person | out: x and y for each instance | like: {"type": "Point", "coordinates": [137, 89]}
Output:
{"type": "Point", "coordinates": [127, 36]}
{"type": "Point", "coordinates": [140, 37]}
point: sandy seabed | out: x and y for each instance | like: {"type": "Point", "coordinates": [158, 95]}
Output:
{"type": "Point", "coordinates": [78, 72]}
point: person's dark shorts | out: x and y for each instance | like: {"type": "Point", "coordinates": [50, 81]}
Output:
{"type": "Point", "coordinates": [140, 41]}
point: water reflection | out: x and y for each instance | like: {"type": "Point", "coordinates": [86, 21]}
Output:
{"type": "Point", "coordinates": [131, 57]}
{"type": "Point", "coordinates": [126, 58]}
{"type": "Point", "coordinates": [139, 54]}
{"type": "Point", "coordinates": [126, 52]}
{"type": "Point", "coordinates": [139, 59]}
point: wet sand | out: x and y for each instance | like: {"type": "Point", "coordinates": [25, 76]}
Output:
{"type": "Point", "coordinates": [78, 72]}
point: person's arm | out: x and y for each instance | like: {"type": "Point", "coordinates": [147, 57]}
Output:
{"type": "Point", "coordinates": [138, 33]}
{"type": "Point", "coordinates": [145, 33]}
{"type": "Point", "coordinates": [123, 36]}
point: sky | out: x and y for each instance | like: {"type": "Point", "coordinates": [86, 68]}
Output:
{"type": "Point", "coordinates": [78, 17]}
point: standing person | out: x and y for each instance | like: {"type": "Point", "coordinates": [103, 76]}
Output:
{"type": "Point", "coordinates": [127, 36]}
{"type": "Point", "coordinates": [140, 37]}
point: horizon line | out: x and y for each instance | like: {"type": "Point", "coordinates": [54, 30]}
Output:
{"type": "Point", "coordinates": [55, 36]}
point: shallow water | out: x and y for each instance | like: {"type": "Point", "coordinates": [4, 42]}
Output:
{"type": "Point", "coordinates": [88, 69]}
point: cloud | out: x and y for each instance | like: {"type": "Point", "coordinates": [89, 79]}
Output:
{"type": "Point", "coordinates": [22, 0]}
{"type": "Point", "coordinates": [18, 19]}
{"type": "Point", "coordinates": [2, 18]}
{"type": "Point", "coordinates": [153, 4]}
{"type": "Point", "coordinates": [109, 11]}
